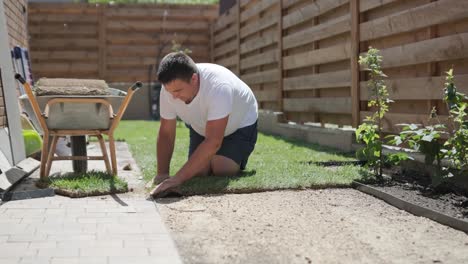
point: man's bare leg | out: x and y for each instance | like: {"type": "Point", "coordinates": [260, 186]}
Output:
{"type": "Point", "coordinates": [222, 166]}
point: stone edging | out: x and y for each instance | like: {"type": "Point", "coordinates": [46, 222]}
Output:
{"type": "Point", "coordinates": [417, 210]}
{"type": "Point", "coordinates": [270, 122]}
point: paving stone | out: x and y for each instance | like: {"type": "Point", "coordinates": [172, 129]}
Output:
{"type": "Point", "coordinates": [35, 260]}
{"type": "Point", "coordinates": [11, 260]}
{"type": "Point", "coordinates": [81, 260]}
{"type": "Point", "coordinates": [114, 252]}
{"type": "Point", "coordinates": [93, 244]}
{"type": "Point", "coordinates": [54, 252]}
{"type": "Point", "coordinates": [20, 250]}
{"type": "Point", "coordinates": [5, 246]}
{"type": "Point", "coordinates": [34, 220]}
{"type": "Point", "coordinates": [43, 244]}
{"type": "Point", "coordinates": [61, 237]}
{"type": "Point", "coordinates": [144, 260]}
{"type": "Point", "coordinates": [107, 220]}
{"type": "Point", "coordinates": [9, 221]}
{"type": "Point", "coordinates": [58, 231]}
{"type": "Point", "coordinates": [18, 229]}
{"type": "Point", "coordinates": [27, 238]}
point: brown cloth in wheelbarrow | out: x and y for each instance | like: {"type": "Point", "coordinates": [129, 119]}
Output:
{"type": "Point", "coordinates": [60, 86]}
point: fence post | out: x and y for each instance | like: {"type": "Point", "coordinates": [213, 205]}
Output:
{"type": "Point", "coordinates": [212, 40]}
{"type": "Point", "coordinates": [280, 56]}
{"type": "Point", "coordinates": [102, 60]}
{"type": "Point", "coordinates": [432, 67]}
{"type": "Point", "coordinates": [355, 89]}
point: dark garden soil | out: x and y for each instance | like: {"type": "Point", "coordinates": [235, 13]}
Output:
{"type": "Point", "coordinates": [448, 198]}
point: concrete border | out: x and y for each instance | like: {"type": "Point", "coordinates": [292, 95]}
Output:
{"type": "Point", "coordinates": [417, 210]}
{"type": "Point", "coordinates": [339, 138]}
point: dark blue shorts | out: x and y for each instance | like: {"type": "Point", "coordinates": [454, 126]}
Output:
{"type": "Point", "coordinates": [238, 146]}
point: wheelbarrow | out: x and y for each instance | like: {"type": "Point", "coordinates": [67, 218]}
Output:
{"type": "Point", "coordinates": [77, 117]}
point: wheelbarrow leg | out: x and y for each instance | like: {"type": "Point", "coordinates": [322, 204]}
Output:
{"type": "Point", "coordinates": [51, 155]}
{"type": "Point", "coordinates": [44, 154]}
{"type": "Point", "coordinates": [112, 154]}
{"type": "Point", "coordinates": [104, 153]}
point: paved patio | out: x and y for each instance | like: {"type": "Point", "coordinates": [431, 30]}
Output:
{"type": "Point", "coordinates": [124, 228]}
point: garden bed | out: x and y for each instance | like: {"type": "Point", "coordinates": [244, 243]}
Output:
{"type": "Point", "coordinates": [449, 198]}
{"type": "Point", "coordinates": [412, 191]}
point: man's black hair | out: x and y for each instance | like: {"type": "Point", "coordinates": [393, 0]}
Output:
{"type": "Point", "coordinates": [176, 65]}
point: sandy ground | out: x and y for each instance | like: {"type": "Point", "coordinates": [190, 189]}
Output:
{"type": "Point", "coordinates": [310, 226]}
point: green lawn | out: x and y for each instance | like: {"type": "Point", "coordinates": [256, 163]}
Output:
{"type": "Point", "coordinates": [276, 163]}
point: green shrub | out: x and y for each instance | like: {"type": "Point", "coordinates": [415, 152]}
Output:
{"type": "Point", "coordinates": [426, 139]}
{"type": "Point", "coordinates": [456, 147]}
{"type": "Point", "coordinates": [370, 132]}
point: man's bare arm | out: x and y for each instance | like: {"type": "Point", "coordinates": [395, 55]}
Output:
{"type": "Point", "coordinates": [205, 151]}
{"type": "Point", "coordinates": [165, 144]}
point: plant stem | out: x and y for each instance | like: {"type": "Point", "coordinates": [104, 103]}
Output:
{"type": "Point", "coordinates": [379, 131]}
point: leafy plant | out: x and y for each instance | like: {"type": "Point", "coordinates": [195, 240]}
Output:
{"type": "Point", "coordinates": [177, 47]}
{"type": "Point", "coordinates": [425, 139]}
{"type": "Point", "coordinates": [457, 145]}
{"type": "Point", "coordinates": [370, 132]}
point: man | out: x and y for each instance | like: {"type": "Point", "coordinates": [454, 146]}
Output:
{"type": "Point", "coordinates": [219, 109]}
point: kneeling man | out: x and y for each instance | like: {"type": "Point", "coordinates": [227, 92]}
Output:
{"type": "Point", "coordinates": [220, 111]}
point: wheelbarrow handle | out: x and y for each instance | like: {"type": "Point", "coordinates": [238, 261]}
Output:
{"type": "Point", "coordinates": [20, 78]}
{"type": "Point", "coordinates": [136, 86]}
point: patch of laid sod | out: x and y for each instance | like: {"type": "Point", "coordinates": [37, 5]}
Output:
{"type": "Point", "coordinates": [87, 184]}
{"type": "Point", "coordinates": [291, 178]}
{"type": "Point", "coordinates": [276, 163]}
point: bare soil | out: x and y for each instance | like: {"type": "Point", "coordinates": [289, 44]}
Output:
{"type": "Point", "coordinates": [451, 204]}
{"type": "Point", "coordinates": [449, 198]}
{"type": "Point", "coordinates": [309, 226]}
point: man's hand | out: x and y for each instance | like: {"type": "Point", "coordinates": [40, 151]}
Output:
{"type": "Point", "coordinates": [157, 180]}
{"type": "Point", "coordinates": [160, 178]}
{"type": "Point", "coordinates": [164, 186]}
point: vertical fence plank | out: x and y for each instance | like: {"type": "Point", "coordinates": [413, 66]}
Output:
{"type": "Point", "coordinates": [102, 61]}
{"type": "Point", "coordinates": [432, 66]}
{"type": "Point", "coordinates": [280, 56]}
{"type": "Point", "coordinates": [355, 97]}
{"type": "Point", "coordinates": [315, 70]}
{"type": "Point", "coordinates": [212, 39]}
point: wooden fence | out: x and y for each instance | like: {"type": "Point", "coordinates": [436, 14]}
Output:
{"type": "Point", "coordinates": [117, 43]}
{"type": "Point", "coordinates": [301, 56]}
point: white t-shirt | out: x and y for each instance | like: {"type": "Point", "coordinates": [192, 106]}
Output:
{"type": "Point", "coordinates": [221, 93]}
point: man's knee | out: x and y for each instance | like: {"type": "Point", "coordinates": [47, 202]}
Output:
{"type": "Point", "coordinates": [223, 166]}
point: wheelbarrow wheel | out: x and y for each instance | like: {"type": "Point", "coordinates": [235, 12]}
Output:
{"type": "Point", "coordinates": [78, 148]}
